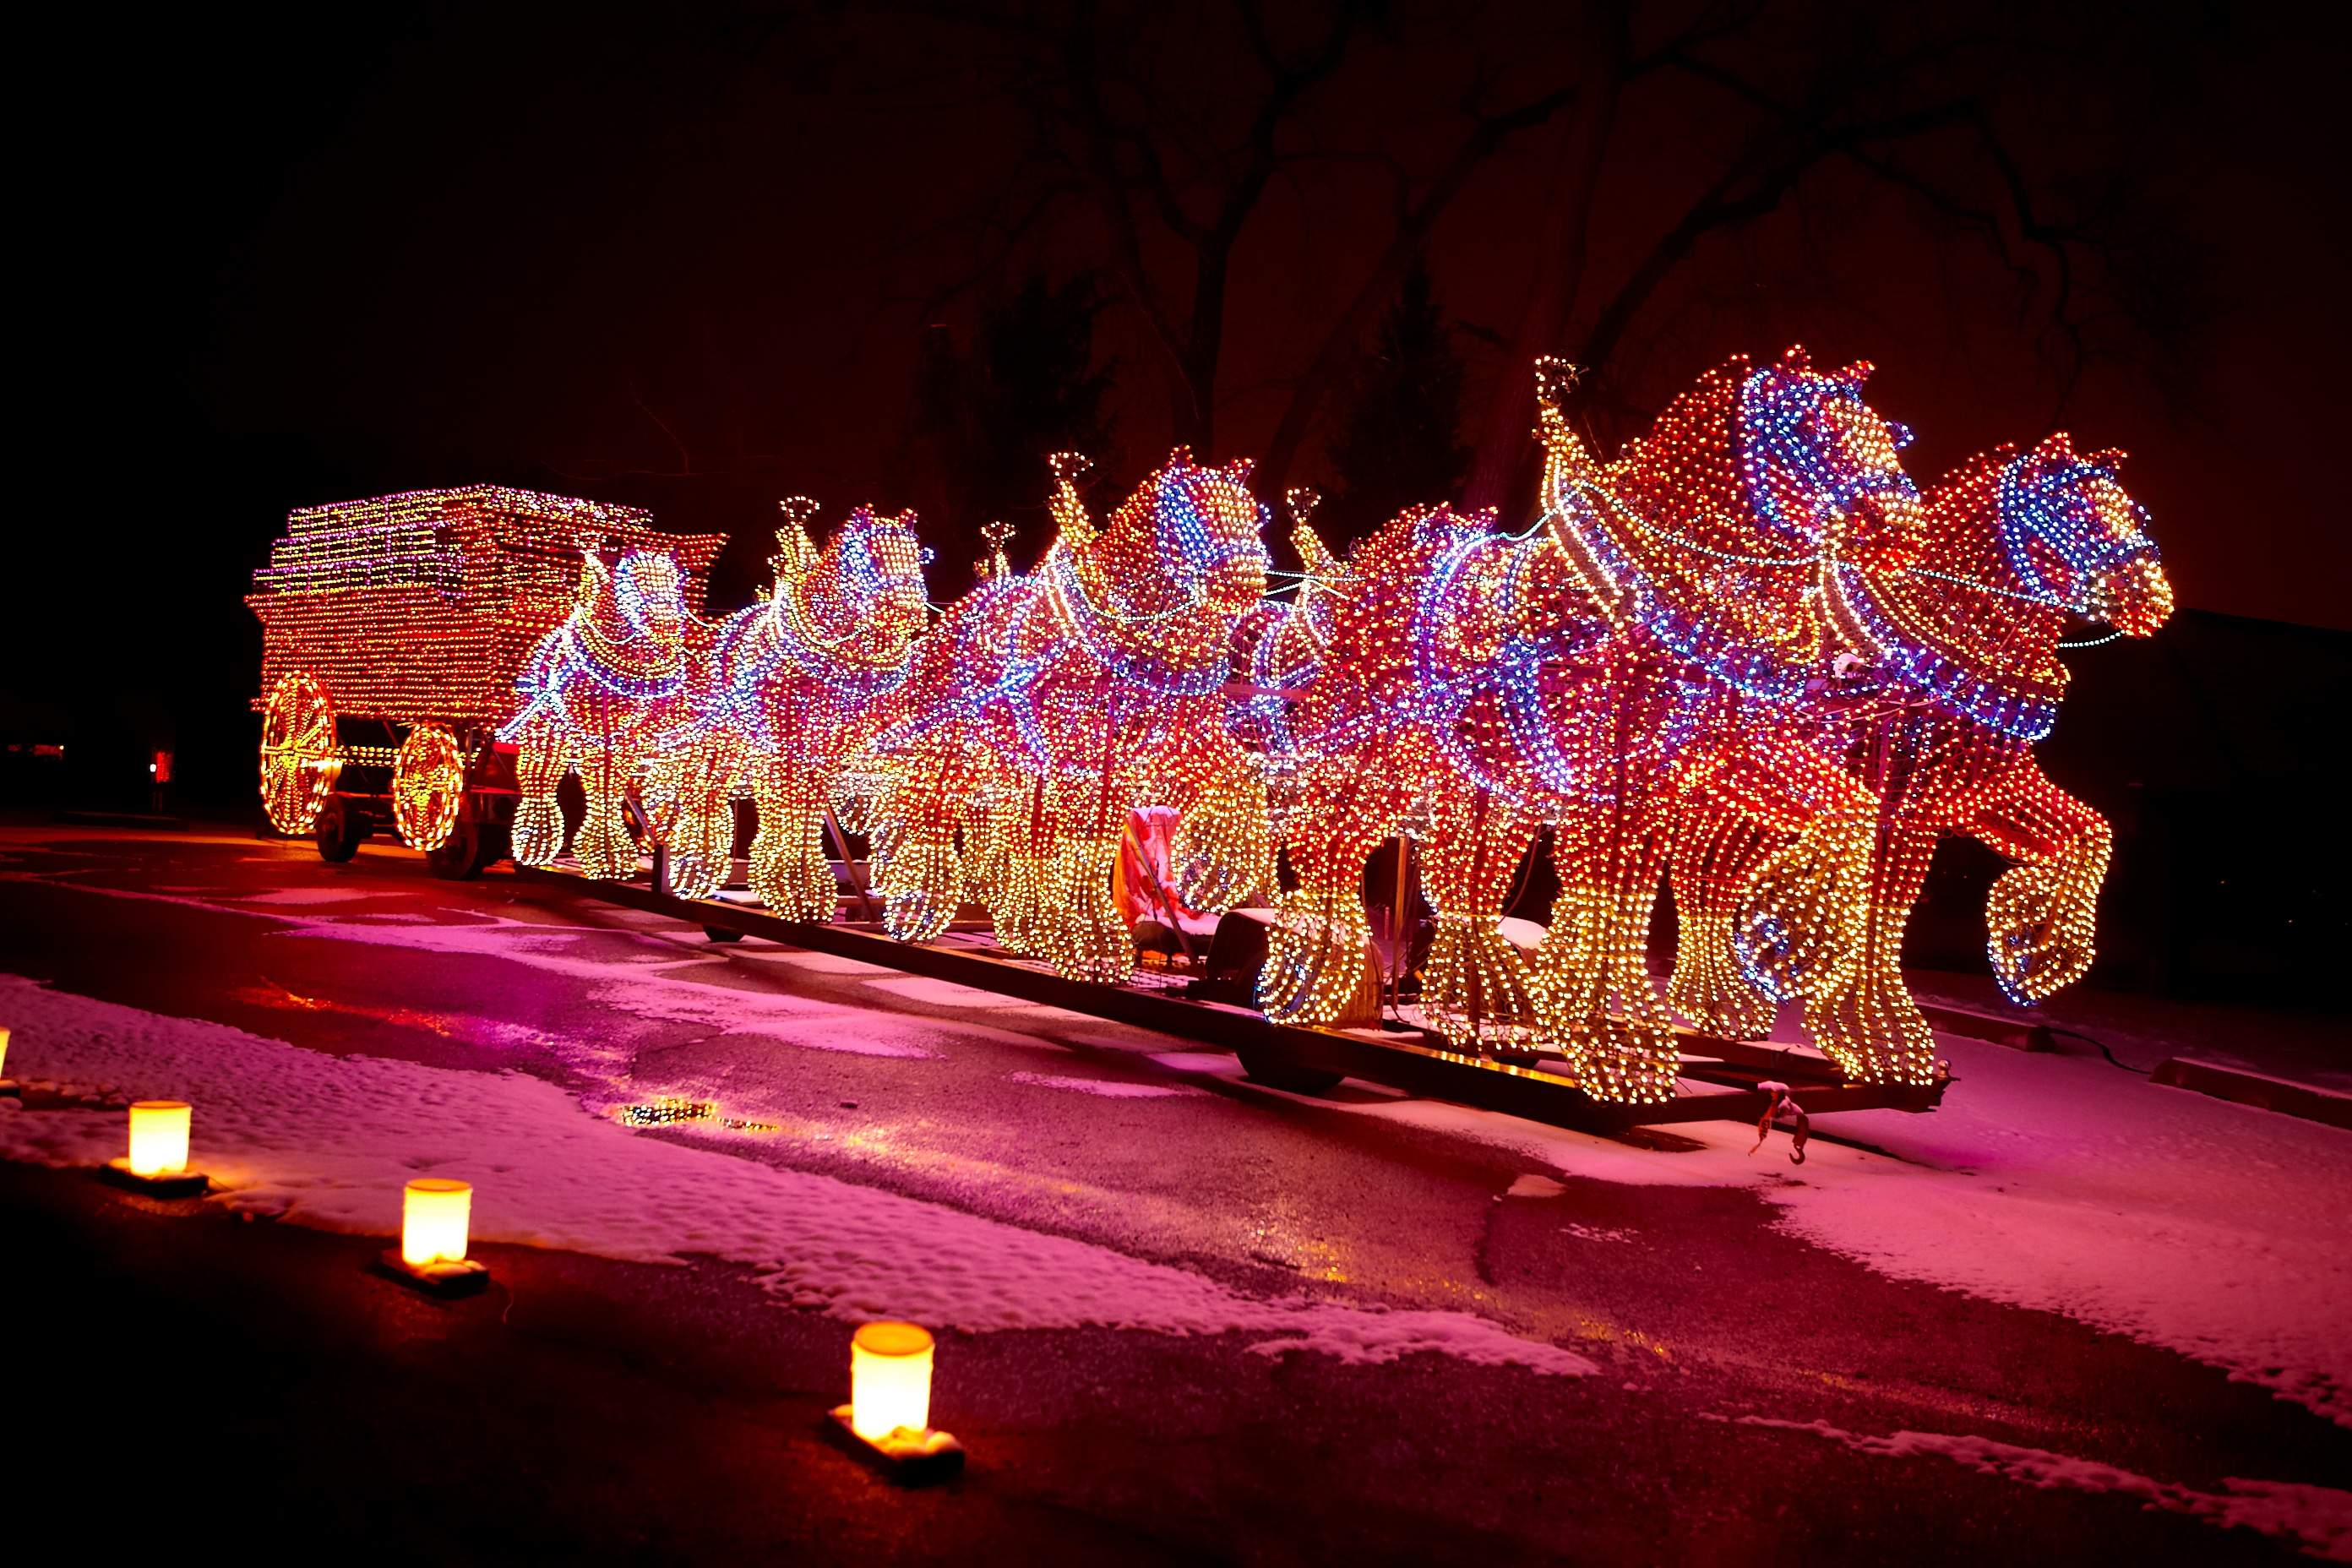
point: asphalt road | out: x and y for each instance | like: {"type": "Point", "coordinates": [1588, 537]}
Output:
{"type": "Point", "coordinates": [593, 1409]}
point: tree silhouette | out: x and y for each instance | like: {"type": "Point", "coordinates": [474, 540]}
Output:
{"type": "Point", "coordinates": [1399, 442]}
{"type": "Point", "coordinates": [986, 415]}
{"type": "Point", "coordinates": [1160, 130]}
{"type": "Point", "coordinates": [1164, 140]}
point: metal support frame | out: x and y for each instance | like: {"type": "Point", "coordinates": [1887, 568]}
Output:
{"type": "Point", "coordinates": [1538, 1093]}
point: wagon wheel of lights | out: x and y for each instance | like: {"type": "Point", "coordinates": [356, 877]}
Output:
{"type": "Point", "coordinates": [299, 759]}
{"type": "Point", "coordinates": [428, 786]}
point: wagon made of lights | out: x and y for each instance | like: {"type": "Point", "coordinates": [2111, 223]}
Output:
{"type": "Point", "coordinates": [392, 631]}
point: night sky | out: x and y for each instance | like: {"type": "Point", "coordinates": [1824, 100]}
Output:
{"type": "Point", "coordinates": [684, 256]}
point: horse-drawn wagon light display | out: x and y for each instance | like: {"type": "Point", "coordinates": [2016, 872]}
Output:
{"type": "Point", "coordinates": [392, 631]}
{"type": "Point", "coordinates": [1748, 658]}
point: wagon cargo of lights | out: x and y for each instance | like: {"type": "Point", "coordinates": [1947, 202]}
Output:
{"type": "Point", "coordinates": [435, 1214]}
{"type": "Point", "coordinates": [887, 1421]}
{"type": "Point", "coordinates": [156, 1163]}
{"type": "Point", "coordinates": [392, 630]}
{"type": "Point", "coordinates": [7, 1084]}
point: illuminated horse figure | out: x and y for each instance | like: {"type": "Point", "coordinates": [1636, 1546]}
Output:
{"type": "Point", "coordinates": [1580, 674]}
{"type": "Point", "coordinates": [785, 691]}
{"type": "Point", "coordinates": [601, 689]}
{"type": "Point", "coordinates": [1961, 678]}
{"type": "Point", "coordinates": [1277, 649]}
{"type": "Point", "coordinates": [1046, 706]}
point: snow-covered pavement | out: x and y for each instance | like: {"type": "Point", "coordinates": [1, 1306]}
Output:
{"type": "Point", "coordinates": [328, 1141]}
{"type": "Point", "coordinates": [906, 1147]}
{"type": "Point", "coordinates": [2056, 1182]}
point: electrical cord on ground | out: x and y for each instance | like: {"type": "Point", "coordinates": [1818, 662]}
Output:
{"type": "Point", "coordinates": [2101, 1045]}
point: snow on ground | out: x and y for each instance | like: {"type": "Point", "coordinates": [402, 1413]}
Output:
{"type": "Point", "coordinates": [2048, 1181]}
{"type": "Point", "coordinates": [308, 896]}
{"type": "Point", "coordinates": [649, 993]}
{"type": "Point", "coordinates": [2318, 1520]}
{"type": "Point", "coordinates": [817, 963]}
{"type": "Point", "coordinates": [947, 994]}
{"type": "Point", "coordinates": [1110, 1088]}
{"type": "Point", "coordinates": [328, 1142]}
{"type": "Point", "coordinates": [2060, 1181]}
{"type": "Point", "coordinates": [2302, 1045]}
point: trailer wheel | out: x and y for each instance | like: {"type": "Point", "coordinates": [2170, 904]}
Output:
{"type": "Point", "coordinates": [1259, 1066]}
{"type": "Point", "coordinates": [469, 847]}
{"type": "Point", "coordinates": [299, 759]}
{"type": "Point", "coordinates": [428, 787]}
{"type": "Point", "coordinates": [715, 934]}
{"type": "Point", "coordinates": [340, 831]}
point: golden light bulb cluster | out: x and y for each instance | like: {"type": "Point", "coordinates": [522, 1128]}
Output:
{"type": "Point", "coordinates": [1937, 722]}
{"type": "Point", "coordinates": [1746, 657]}
{"type": "Point", "coordinates": [778, 696]}
{"type": "Point", "coordinates": [414, 612]}
{"type": "Point", "coordinates": [1046, 708]}
{"type": "Point", "coordinates": [604, 690]}
{"type": "Point", "coordinates": [1657, 671]}
{"type": "Point", "coordinates": [428, 786]}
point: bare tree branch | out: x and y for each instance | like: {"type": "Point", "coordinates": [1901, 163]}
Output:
{"type": "Point", "coordinates": [1747, 191]}
{"type": "Point", "coordinates": [1344, 342]}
